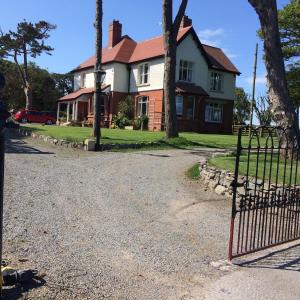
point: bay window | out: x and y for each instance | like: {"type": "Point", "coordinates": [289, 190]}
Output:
{"type": "Point", "coordinates": [190, 114]}
{"type": "Point", "coordinates": [214, 112]}
{"type": "Point", "coordinates": [179, 106]}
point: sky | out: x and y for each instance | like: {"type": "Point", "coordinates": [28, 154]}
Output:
{"type": "Point", "coordinates": [228, 24]}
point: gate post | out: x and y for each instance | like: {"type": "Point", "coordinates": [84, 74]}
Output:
{"type": "Point", "coordinates": [236, 178]}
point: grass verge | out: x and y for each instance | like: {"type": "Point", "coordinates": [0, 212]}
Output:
{"type": "Point", "coordinates": [193, 172]}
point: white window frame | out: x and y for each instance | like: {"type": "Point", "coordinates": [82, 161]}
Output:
{"type": "Point", "coordinates": [143, 74]}
{"type": "Point", "coordinates": [83, 80]}
{"type": "Point", "coordinates": [194, 105]}
{"type": "Point", "coordinates": [216, 82]}
{"type": "Point", "coordinates": [186, 68]}
{"type": "Point", "coordinates": [179, 114]}
{"type": "Point", "coordinates": [142, 100]}
{"type": "Point", "coordinates": [214, 112]}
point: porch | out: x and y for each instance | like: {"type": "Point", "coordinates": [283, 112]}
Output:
{"type": "Point", "coordinates": [79, 107]}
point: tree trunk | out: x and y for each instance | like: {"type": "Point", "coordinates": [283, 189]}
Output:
{"type": "Point", "coordinates": [27, 87]}
{"type": "Point", "coordinates": [170, 32]}
{"type": "Point", "coordinates": [97, 95]}
{"type": "Point", "coordinates": [281, 105]}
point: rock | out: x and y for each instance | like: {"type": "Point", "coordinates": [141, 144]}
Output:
{"type": "Point", "coordinates": [212, 184]}
{"type": "Point", "coordinates": [220, 189]}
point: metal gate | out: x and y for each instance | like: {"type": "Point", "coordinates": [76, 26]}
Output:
{"type": "Point", "coordinates": [266, 191]}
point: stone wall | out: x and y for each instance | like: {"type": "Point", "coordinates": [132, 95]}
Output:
{"type": "Point", "coordinates": [82, 145]}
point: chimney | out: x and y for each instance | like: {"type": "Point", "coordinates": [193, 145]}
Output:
{"type": "Point", "coordinates": [185, 22]}
{"type": "Point", "coordinates": [115, 33]}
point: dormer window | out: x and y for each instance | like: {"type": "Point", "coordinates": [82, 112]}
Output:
{"type": "Point", "coordinates": [143, 74]}
{"type": "Point", "coordinates": [185, 71]}
{"type": "Point", "coordinates": [216, 82]}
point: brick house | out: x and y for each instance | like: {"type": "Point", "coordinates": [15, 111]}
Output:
{"type": "Point", "coordinates": [204, 90]}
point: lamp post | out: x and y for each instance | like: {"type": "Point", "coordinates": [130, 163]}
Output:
{"type": "Point", "coordinates": [99, 79]}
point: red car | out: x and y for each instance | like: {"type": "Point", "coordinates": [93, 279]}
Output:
{"type": "Point", "coordinates": [33, 116]}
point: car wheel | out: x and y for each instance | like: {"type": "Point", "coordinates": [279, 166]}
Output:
{"type": "Point", "coordinates": [24, 120]}
{"type": "Point", "coordinates": [49, 122]}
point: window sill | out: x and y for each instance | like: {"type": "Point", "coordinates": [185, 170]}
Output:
{"type": "Point", "coordinates": [143, 84]}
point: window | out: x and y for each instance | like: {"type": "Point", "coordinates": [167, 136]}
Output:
{"type": "Point", "coordinates": [190, 114]}
{"type": "Point", "coordinates": [216, 82]}
{"type": "Point", "coordinates": [143, 74]}
{"type": "Point", "coordinates": [142, 108]}
{"type": "Point", "coordinates": [185, 71]}
{"type": "Point", "coordinates": [179, 106]}
{"type": "Point", "coordinates": [83, 80]}
{"type": "Point", "coordinates": [214, 113]}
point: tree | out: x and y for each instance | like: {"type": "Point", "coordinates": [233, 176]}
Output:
{"type": "Point", "coordinates": [289, 20]}
{"type": "Point", "coordinates": [242, 107]}
{"type": "Point", "coordinates": [281, 105]}
{"type": "Point", "coordinates": [63, 83]}
{"type": "Point", "coordinates": [263, 110]}
{"type": "Point", "coordinates": [27, 41]}
{"type": "Point", "coordinates": [97, 96]}
{"type": "Point", "coordinates": [170, 32]}
{"type": "Point", "coordinates": [46, 87]}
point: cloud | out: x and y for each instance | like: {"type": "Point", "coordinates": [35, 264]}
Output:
{"type": "Point", "coordinates": [209, 33]}
{"type": "Point", "coordinates": [229, 53]}
{"type": "Point", "coordinates": [261, 79]}
{"type": "Point", "coordinates": [211, 37]}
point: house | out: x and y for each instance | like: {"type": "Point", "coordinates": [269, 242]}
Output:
{"type": "Point", "coordinates": [205, 82]}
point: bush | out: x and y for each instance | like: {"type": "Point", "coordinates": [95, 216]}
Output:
{"type": "Point", "coordinates": [126, 107]}
{"type": "Point", "coordinates": [120, 120]}
{"type": "Point", "coordinates": [141, 123]}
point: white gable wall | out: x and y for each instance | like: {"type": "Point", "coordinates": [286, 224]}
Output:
{"type": "Point", "coordinates": [228, 90]}
{"type": "Point", "coordinates": [188, 50]}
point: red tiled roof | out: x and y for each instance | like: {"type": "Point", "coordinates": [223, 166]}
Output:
{"type": "Point", "coordinates": [129, 51]}
{"type": "Point", "coordinates": [80, 92]}
{"type": "Point", "coordinates": [219, 60]}
{"type": "Point", "coordinates": [183, 87]}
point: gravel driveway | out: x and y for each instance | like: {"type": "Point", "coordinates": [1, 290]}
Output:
{"type": "Point", "coordinates": [112, 225]}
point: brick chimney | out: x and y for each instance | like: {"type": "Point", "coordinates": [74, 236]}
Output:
{"type": "Point", "coordinates": [115, 33]}
{"type": "Point", "coordinates": [186, 22]}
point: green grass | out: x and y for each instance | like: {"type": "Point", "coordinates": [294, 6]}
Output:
{"type": "Point", "coordinates": [193, 172]}
{"type": "Point", "coordinates": [113, 136]}
{"type": "Point", "coordinates": [228, 163]}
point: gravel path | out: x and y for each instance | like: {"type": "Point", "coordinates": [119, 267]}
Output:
{"type": "Point", "coordinates": [113, 225]}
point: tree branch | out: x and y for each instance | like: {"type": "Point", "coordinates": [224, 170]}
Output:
{"type": "Point", "coordinates": [179, 16]}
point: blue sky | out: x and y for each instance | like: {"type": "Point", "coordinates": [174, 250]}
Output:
{"type": "Point", "coordinates": [230, 25]}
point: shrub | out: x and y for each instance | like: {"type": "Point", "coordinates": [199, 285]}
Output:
{"type": "Point", "coordinates": [121, 121]}
{"type": "Point", "coordinates": [126, 107]}
{"type": "Point", "coordinates": [141, 123]}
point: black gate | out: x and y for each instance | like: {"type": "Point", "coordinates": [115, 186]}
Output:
{"type": "Point", "coordinates": [266, 191]}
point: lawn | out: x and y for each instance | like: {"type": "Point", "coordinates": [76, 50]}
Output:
{"type": "Point", "coordinates": [228, 163]}
{"type": "Point", "coordinates": [113, 136]}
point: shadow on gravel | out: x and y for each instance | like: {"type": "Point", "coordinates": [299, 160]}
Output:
{"type": "Point", "coordinates": [21, 147]}
{"type": "Point", "coordinates": [283, 259]}
{"type": "Point", "coordinates": [18, 291]}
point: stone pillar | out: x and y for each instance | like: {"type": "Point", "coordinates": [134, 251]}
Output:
{"type": "Point", "coordinates": [68, 112]}
{"type": "Point", "coordinates": [58, 112]}
{"type": "Point", "coordinates": [76, 111]}
{"type": "Point", "coordinates": [73, 111]}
